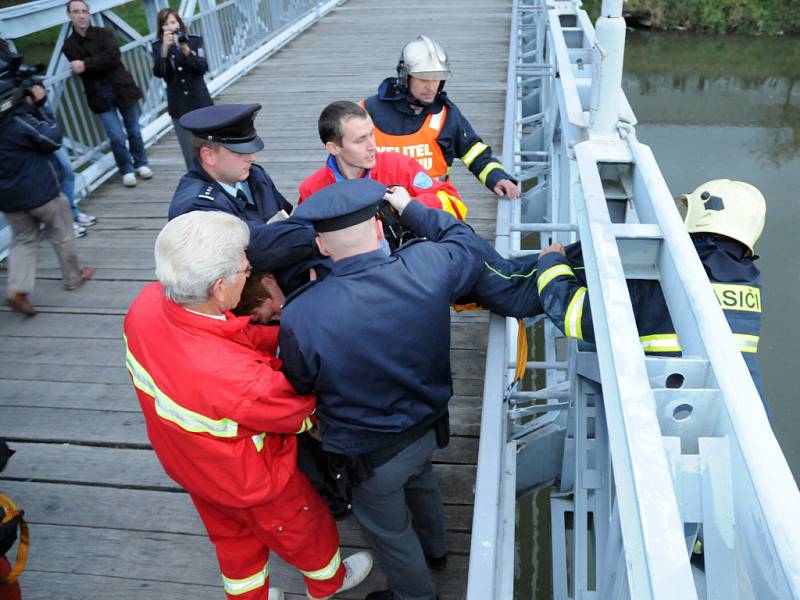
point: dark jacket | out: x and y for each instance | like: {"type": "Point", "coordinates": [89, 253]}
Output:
{"type": "Point", "coordinates": [392, 114]}
{"type": "Point", "coordinates": [186, 89]}
{"type": "Point", "coordinates": [372, 340]}
{"type": "Point", "coordinates": [28, 170]}
{"type": "Point", "coordinates": [285, 248]}
{"type": "Point", "coordinates": [99, 51]}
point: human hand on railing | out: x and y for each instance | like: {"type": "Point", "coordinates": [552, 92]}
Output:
{"type": "Point", "coordinates": [506, 188]}
{"type": "Point", "coordinates": [554, 247]}
{"type": "Point", "coordinates": [77, 66]}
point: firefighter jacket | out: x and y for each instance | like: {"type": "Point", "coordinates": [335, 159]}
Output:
{"type": "Point", "coordinates": [373, 338]}
{"type": "Point", "coordinates": [285, 248]}
{"type": "Point", "coordinates": [734, 277]}
{"type": "Point", "coordinates": [402, 128]}
{"type": "Point", "coordinates": [392, 168]}
{"type": "Point", "coordinates": [220, 415]}
{"type": "Point", "coordinates": [186, 88]}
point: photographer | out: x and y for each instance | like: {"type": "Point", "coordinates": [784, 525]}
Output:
{"type": "Point", "coordinates": [179, 59]}
{"type": "Point", "coordinates": [30, 196]}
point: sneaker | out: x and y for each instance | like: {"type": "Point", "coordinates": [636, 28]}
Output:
{"type": "Point", "coordinates": [86, 275]}
{"type": "Point", "coordinates": [79, 231]}
{"type": "Point", "coordinates": [275, 594]}
{"type": "Point", "coordinates": [85, 220]}
{"type": "Point", "coordinates": [129, 180]}
{"type": "Point", "coordinates": [145, 172]}
{"type": "Point", "coordinates": [18, 301]}
{"type": "Point", "coordinates": [357, 567]}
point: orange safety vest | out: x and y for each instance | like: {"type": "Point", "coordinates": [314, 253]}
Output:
{"type": "Point", "coordinates": [420, 145]}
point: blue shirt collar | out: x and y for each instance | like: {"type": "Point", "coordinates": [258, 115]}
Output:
{"type": "Point", "coordinates": [331, 164]}
{"type": "Point", "coordinates": [359, 262]}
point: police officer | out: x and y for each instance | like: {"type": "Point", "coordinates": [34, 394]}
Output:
{"type": "Point", "coordinates": [414, 116]}
{"type": "Point", "coordinates": [224, 177]}
{"type": "Point", "coordinates": [725, 219]}
{"type": "Point", "coordinates": [180, 60]}
{"type": "Point", "coordinates": [372, 340]}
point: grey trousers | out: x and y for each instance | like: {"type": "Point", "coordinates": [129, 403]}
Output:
{"type": "Point", "coordinates": [25, 233]}
{"type": "Point", "coordinates": [400, 508]}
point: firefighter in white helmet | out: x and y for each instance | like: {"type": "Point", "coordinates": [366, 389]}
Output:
{"type": "Point", "coordinates": [414, 116]}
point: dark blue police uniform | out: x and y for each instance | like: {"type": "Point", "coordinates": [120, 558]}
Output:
{"type": "Point", "coordinates": [373, 342]}
{"type": "Point", "coordinates": [232, 126]}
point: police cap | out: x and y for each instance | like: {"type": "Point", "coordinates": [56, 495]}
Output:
{"type": "Point", "coordinates": [231, 125]}
{"type": "Point", "coordinates": [342, 204]}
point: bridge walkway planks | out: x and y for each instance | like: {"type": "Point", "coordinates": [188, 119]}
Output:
{"type": "Point", "coordinates": [105, 519]}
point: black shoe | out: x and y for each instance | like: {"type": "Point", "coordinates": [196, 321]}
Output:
{"type": "Point", "coordinates": [437, 563]}
{"type": "Point", "coordinates": [381, 595]}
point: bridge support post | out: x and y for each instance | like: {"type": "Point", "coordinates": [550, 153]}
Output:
{"type": "Point", "coordinates": [609, 51]}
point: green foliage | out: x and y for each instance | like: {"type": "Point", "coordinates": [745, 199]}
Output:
{"type": "Point", "coordinates": [717, 16]}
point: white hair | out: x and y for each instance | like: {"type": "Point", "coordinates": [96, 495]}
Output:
{"type": "Point", "coordinates": [194, 250]}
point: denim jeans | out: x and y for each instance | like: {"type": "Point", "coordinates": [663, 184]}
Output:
{"type": "Point", "coordinates": [126, 161]}
{"type": "Point", "coordinates": [67, 181]}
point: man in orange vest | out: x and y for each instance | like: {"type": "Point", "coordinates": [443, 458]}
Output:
{"type": "Point", "coordinates": [349, 136]}
{"type": "Point", "coordinates": [414, 116]}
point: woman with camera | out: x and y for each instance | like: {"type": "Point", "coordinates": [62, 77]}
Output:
{"type": "Point", "coordinates": [180, 60]}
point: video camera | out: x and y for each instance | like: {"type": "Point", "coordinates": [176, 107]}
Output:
{"type": "Point", "coordinates": [16, 81]}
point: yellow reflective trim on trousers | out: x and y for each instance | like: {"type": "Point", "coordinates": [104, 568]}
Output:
{"type": "Point", "coordinates": [551, 273]}
{"type": "Point", "coordinates": [738, 297]}
{"type": "Point", "coordinates": [473, 153]}
{"type": "Point", "coordinates": [169, 410]}
{"type": "Point", "coordinates": [572, 319]}
{"type": "Point", "coordinates": [509, 277]}
{"type": "Point", "coordinates": [452, 205]}
{"type": "Point", "coordinates": [747, 343]}
{"type": "Point", "coordinates": [661, 342]}
{"type": "Point", "coordinates": [327, 571]}
{"type": "Point", "coordinates": [258, 440]}
{"type": "Point", "coordinates": [488, 169]}
{"type": "Point", "coordinates": [237, 587]}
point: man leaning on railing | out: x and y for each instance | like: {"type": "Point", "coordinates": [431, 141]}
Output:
{"type": "Point", "coordinates": [94, 54]}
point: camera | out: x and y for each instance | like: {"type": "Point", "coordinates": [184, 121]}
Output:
{"type": "Point", "coordinates": [183, 37]}
{"type": "Point", "coordinates": [16, 80]}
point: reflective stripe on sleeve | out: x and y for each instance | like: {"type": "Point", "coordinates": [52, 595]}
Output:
{"type": "Point", "coordinates": [452, 205]}
{"type": "Point", "coordinates": [470, 155]}
{"type": "Point", "coordinates": [747, 343]}
{"type": "Point", "coordinates": [169, 410]}
{"type": "Point", "coordinates": [488, 169]}
{"type": "Point", "coordinates": [306, 425]}
{"type": "Point", "coordinates": [237, 587]}
{"type": "Point", "coordinates": [551, 273]}
{"type": "Point", "coordinates": [327, 571]}
{"type": "Point", "coordinates": [662, 342]}
{"type": "Point", "coordinates": [258, 440]}
{"type": "Point", "coordinates": [572, 319]}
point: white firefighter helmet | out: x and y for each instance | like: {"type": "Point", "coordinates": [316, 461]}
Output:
{"type": "Point", "coordinates": [734, 209]}
{"type": "Point", "coordinates": [423, 58]}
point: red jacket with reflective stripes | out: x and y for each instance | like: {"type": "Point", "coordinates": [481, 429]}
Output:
{"type": "Point", "coordinates": [220, 415]}
{"type": "Point", "coordinates": [394, 168]}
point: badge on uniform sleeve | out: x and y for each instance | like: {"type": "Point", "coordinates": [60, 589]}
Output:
{"type": "Point", "coordinates": [422, 180]}
{"type": "Point", "coordinates": [200, 52]}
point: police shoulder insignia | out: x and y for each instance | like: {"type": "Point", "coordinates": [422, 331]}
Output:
{"type": "Point", "coordinates": [422, 180]}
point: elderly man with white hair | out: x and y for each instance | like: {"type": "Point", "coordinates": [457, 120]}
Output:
{"type": "Point", "coordinates": [222, 418]}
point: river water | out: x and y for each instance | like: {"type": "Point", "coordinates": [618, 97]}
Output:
{"type": "Point", "coordinates": [716, 107]}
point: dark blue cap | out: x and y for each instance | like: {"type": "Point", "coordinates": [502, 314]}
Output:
{"type": "Point", "coordinates": [231, 125]}
{"type": "Point", "coordinates": [342, 204]}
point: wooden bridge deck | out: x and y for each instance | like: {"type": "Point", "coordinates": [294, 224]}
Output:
{"type": "Point", "coordinates": [106, 522]}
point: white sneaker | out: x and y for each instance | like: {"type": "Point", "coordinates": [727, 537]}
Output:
{"type": "Point", "coordinates": [357, 567]}
{"type": "Point", "coordinates": [85, 220]}
{"type": "Point", "coordinates": [79, 231]}
{"type": "Point", "coordinates": [129, 180]}
{"type": "Point", "coordinates": [145, 172]}
{"type": "Point", "coordinates": [275, 594]}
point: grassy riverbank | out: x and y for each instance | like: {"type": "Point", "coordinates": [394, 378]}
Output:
{"type": "Point", "coordinates": [719, 16]}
